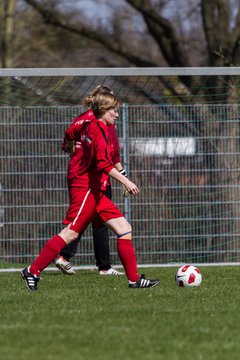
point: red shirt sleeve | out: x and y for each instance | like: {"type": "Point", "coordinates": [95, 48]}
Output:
{"type": "Point", "coordinates": [72, 132]}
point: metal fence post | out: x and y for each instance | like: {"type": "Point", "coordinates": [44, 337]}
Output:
{"type": "Point", "coordinates": [1, 207]}
{"type": "Point", "coordinates": [127, 201]}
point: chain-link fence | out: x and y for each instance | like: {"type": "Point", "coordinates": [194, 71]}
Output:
{"type": "Point", "coordinates": [185, 159]}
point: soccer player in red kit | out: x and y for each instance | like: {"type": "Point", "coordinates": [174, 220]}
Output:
{"type": "Point", "coordinates": [101, 234]}
{"type": "Point", "coordinates": [88, 203]}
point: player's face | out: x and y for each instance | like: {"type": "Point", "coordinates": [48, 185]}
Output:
{"type": "Point", "coordinates": [110, 116]}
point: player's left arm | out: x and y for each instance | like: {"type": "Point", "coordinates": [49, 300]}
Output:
{"type": "Point", "coordinates": [129, 185]}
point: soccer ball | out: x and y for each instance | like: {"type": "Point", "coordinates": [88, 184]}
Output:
{"type": "Point", "coordinates": [188, 276]}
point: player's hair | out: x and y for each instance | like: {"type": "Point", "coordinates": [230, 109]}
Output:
{"type": "Point", "coordinates": [103, 102]}
{"type": "Point", "coordinates": [99, 89]}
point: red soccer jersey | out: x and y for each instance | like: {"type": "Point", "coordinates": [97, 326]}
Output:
{"type": "Point", "coordinates": [90, 165]}
{"type": "Point", "coordinates": [74, 171]}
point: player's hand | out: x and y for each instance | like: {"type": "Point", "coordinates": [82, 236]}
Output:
{"type": "Point", "coordinates": [131, 188]}
{"type": "Point", "coordinates": [125, 192]}
{"type": "Point", "coordinates": [70, 147]}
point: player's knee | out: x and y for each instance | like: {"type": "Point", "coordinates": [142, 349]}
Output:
{"type": "Point", "coordinates": [126, 227]}
{"type": "Point", "coordinates": [129, 227]}
{"type": "Point", "coordinates": [125, 232]}
{"type": "Point", "coordinates": [68, 235]}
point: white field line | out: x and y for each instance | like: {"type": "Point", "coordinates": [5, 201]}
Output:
{"type": "Point", "coordinates": [93, 268]}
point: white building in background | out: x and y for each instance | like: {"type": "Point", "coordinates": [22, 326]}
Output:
{"type": "Point", "coordinates": [169, 147]}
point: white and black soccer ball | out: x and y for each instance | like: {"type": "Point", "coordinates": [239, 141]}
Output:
{"type": "Point", "coordinates": [188, 276]}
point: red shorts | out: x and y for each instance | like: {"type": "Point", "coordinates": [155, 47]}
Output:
{"type": "Point", "coordinates": [87, 206]}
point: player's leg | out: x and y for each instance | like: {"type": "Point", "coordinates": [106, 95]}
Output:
{"type": "Point", "coordinates": [83, 215]}
{"type": "Point", "coordinates": [114, 219]}
{"type": "Point", "coordinates": [127, 254]}
{"type": "Point", "coordinates": [124, 246]}
{"type": "Point", "coordinates": [102, 251]}
{"type": "Point", "coordinates": [51, 249]}
{"type": "Point", "coordinates": [101, 242]}
{"type": "Point", "coordinates": [62, 261]}
{"type": "Point", "coordinates": [101, 246]}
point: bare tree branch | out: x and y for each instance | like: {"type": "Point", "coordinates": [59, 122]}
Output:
{"type": "Point", "coordinates": [103, 39]}
{"type": "Point", "coordinates": [163, 32]}
{"type": "Point", "coordinates": [222, 43]}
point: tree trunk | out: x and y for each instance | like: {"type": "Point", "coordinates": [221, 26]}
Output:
{"type": "Point", "coordinates": [7, 9]}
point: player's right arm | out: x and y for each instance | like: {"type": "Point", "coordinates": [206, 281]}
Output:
{"type": "Point", "coordinates": [69, 141]}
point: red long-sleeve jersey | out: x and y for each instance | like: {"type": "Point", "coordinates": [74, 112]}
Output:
{"type": "Point", "coordinates": [88, 116]}
{"type": "Point", "coordinates": [94, 153]}
{"type": "Point", "coordinates": [73, 166]}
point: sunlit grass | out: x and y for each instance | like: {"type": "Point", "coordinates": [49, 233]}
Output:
{"type": "Point", "coordinates": [87, 317]}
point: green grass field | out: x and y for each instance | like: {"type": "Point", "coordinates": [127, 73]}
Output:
{"type": "Point", "coordinates": [86, 317]}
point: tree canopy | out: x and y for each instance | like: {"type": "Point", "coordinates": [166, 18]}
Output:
{"type": "Point", "coordinates": [122, 33]}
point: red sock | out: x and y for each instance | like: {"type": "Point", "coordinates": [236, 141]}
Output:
{"type": "Point", "coordinates": [128, 258]}
{"type": "Point", "coordinates": [50, 250]}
